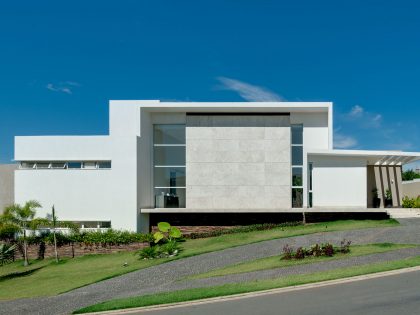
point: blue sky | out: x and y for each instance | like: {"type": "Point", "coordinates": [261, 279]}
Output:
{"type": "Point", "coordinates": [60, 62]}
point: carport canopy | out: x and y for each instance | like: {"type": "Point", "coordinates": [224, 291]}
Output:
{"type": "Point", "coordinates": [373, 157]}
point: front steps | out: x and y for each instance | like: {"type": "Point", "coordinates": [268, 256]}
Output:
{"type": "Point", "coordinates": [401, 213]}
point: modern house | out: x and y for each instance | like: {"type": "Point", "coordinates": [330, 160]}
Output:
{"type": "Point", "coordinates": [203, 158]}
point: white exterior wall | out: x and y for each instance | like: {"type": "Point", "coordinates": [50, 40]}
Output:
{"type": "Point", "coordinates": [119, 194]}
{"type": "Point", "coordinates": [85, 194]}
{"type": "Point", "coordinates": [316, 135]}
{"type": "Point", "coordinates": [339, 181]}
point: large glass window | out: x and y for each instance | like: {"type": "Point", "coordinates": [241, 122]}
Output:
{"type": "Point", "coordinates": [169, 166]}
{"type": "Point", "coordinates": [297, 165]}
{"type": "Point", "coordinates": [169, 155]}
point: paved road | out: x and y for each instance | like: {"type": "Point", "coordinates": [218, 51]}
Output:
{"type": "Point", "coordinates": [389, 295]}
{"type": "Point", "coordinates": [166, 277]}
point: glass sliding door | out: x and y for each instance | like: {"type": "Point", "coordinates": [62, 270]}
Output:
{"type": "Point", "coordinates": [169, 165]}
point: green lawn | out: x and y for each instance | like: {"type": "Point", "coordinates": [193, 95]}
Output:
{"type": "Point", "coordinates": [69, 274]}
{"type": "Point", "coordinates": [230, 289]}
{"type": "Point", "coordinates": [276, 262]}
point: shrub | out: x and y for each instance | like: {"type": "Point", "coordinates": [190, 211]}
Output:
{"type": "Point", "coordinates": [345, 246]}
{"type": "Point", "coordinates": [408, 202]}
{"type": "Point", "coordinates": [243, 229]}
{"type": "Point", "coordinates": [328, 249]}
{"type": "Point", "coordinates": [300, 253]}
{"type": "Point", "coordinates": [149, 252]}
{"type": "Point", "coordinates": [171, 248]}
{"type": "Point", "coordinates": [316, 250]}
{"type": "Point", "coordinates": [287, 252]}
{"type": "Point", "coordinates": [7, 253]}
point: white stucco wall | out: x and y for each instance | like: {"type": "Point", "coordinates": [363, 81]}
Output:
{"type": "Point", "coordinates": [339, 181]}
{"type": "Point", "coordinates": [119, 194]}
{"type": "Point", "coordinates": [85, 194]}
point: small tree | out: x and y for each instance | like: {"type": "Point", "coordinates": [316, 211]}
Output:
{"type": "Point", "coordinates": [54, 223]}
{"type": "Point", "coordinates": [21, 217]}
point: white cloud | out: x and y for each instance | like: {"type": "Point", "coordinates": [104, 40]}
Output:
{"type": "Point", "coordinates": [362, 118]}
{"type": "Point", "coordinates": [344, 142]}
{"type": "Point", "coordinates": [63, 87]}
{"type": "Point", "coordinates": [356, 110]}
{"type": "Point", "coordinates": [249, 92]}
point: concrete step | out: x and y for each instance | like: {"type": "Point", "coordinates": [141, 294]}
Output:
{"type": "Point", "coordinates": [401, 213]}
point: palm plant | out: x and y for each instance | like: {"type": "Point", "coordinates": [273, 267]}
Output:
{"type": "Point", "coordinates": [21, 217]}
{"type": "Point", "coordinates": [7, 253]}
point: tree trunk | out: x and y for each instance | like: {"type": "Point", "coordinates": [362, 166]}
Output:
{"type": "Point", "coordinates": [303, 217]}
{"type": "Point", "coordinates": [25, 253]}
{"type": "Point", "coordinates": [55, 247]}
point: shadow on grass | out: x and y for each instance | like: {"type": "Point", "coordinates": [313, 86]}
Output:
{"type": "Point", "coordinates": [19, 274]}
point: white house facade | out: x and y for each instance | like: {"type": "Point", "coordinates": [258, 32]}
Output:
{"type": "Point", "coordinates": [198, 158]}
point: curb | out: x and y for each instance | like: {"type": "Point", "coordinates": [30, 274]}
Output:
{"type": "Point", "coordinates": [260, 293]}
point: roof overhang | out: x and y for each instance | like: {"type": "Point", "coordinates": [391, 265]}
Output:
{"type": "Point", "coordinates": [234, 107]}
{"type": "Point", "coordinates": [372, 157]}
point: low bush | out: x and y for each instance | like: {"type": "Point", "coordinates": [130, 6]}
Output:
{"type": "Point", "coordinates": [287, 252]}
{"type": "Point", "coordinates": [345, 246]}
{"type": "Point", "coordinates": [316, 250]}
{"type": "Point", "coordinates": [243, 229]}
{"type": "Point", "coordinates": [150, 252]}
{"type": "Point", "coordinates": [171, 248]}
{"type": "Point", "coordinates": [300, 253]}
{"type": "Point", "coordinates": [7, 253]}
{"type": "Point", "coordinates": [92, 238]}
{"type": "Point", "coordinates": [328, 249]}
{"type": "Point", "coordinates": [408, 202]}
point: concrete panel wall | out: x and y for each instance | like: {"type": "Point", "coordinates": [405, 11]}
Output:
{"type": "Point", "coordinates": [411, 188]}
{"type": "Point", "coordinates": [339, 182]}
{"type": "Point", "coordinates": [238, 162]}
{"type": "Point", "coordinates": [6, 185]}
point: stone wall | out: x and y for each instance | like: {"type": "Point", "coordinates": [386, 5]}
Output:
{"type": "Point", "coordinates": [7, 175]}
{"type": "Point", "coordinates": [238, 162]}
{"type": "Point", "coordinates": [77, 250]}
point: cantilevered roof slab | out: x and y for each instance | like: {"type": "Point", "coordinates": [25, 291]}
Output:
{"type": "Point", "coordinates": [372, 157]}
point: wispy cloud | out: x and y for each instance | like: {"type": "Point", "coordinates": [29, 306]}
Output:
{"type": "Point", "coordinates": [342, 141]}
{"type": "Point", "coordinates": [370, 130]}
{"type": "Point", "coordinates": [362, 118]}
{"type": "Point", "coordinates": [63, 87]}
{"type": "Point", "coordinates": [250, 92]}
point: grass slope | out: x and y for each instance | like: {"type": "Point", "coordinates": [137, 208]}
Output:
{"type": "Point", "coordinates": [230, 289]}
{"type": "Point", "coordinates": [70, 274]}
{"type": "Point", "coordinates": [276, 262]}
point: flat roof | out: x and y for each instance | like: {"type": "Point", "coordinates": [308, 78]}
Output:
{"type": "Point", "coordinates": [156, 105]}
{"type": "Point", "coordinates": [373, 157]}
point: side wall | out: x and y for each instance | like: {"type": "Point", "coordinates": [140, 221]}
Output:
{"type": "Point", "coordinates": [339, 182]}
{"type": "Point", "coordinates": [411, 188]}
{"type": "Point", "coordinates": [7, 185]}
{"type": "Point", "coordinates": [238, 162]}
